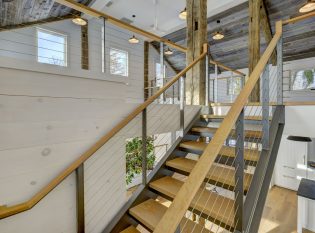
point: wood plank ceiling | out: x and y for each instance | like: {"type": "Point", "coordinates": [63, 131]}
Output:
{"type": "Point", "coordinates": [299, 38]}
{"type": "Point", "coordinates": [16, 13]}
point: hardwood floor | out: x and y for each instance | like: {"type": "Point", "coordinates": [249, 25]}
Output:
{"type": "Point", "coordinates": [279, 216]}
{"type": "Point", "coordinates": [280, 213]}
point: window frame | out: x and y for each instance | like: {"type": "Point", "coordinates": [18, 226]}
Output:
{"type": "Point", "coordinates": [55, 33]}
{"type": "Point", "coordinates": [127, 62]}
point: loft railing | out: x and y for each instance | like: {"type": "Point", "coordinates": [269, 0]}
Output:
{"type": "Point", "coordinates": [195, 198]}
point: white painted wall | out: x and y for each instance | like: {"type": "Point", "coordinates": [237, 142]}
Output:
{"type": "Point", "coordinates": [50, 115]}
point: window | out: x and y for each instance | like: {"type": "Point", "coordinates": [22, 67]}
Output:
{"type": "Point", "coordinates": [303, 79]}
{"type": "Point", "coordinates": [118, 62]}
{"type": "Point", "coordinates": [51, 47]}
{"type": "Point", "coordinates": [159, 78]}
{"type": "Point", "coordinates": [234, 85]}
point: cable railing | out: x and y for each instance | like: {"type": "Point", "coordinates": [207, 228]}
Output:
{"type": "Point", "coordinates": [164, 123]}
{"type": "Point", "coordinates": [191, 192]}
{"type": "Point", "coordinates": [222, 211]}
{"type": "Point", "coordinates": [148, 114]}
{"type": "Point", "coordinates": [160, 120]}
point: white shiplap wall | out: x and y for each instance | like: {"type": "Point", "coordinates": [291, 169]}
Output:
{"type": "Point", "coordinates": [50, 115]}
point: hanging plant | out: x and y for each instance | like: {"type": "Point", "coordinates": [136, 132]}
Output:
{"type": "Point", "coordinates": [309, 75]}
{"type": "Point", "coordinates": [134, 157]}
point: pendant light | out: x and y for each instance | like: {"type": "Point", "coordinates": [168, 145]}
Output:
{"type": "Point", "coordinates": [79, 21]}
{"type": "Point", "coordinates": [308, 6]}
{"type": "Point", "coordinates": [133, 40]}
{"type": "Point", "coordinates": [218, 35]}
{"type": "Point", "coordinates": [168, 51]}
{"type": "Point", "coordinates": [183, 14]}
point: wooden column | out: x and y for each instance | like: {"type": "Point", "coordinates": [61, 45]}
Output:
{"type": "Point", "coordinates": [85, 47]}
{"type": "Point", "coordinates": [196, 37]}
{"type": "Point", "coordinates": [266, 28]}
{"type": "Point", "coordinates": [146, 70]}
{"type": "Point", "coordinates": [254, 43]}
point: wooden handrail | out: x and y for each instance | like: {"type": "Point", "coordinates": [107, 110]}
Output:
{"type": "Point", "coordinates": [184, 197]}
{"type": "Point", "coordinates": [6, 211]}
{"type": "Point", "coordinates": [97, 14]}
{"type": "Point", "coordinates": [299, 18]}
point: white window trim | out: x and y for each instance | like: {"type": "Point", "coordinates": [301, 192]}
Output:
{"type": "Point", "coordinates": [53, 32]}
{"type": "Point", "coordinates": [127, 63]}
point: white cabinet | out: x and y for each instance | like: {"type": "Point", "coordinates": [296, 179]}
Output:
{"type": "Point", "coordinates": [291, 163]}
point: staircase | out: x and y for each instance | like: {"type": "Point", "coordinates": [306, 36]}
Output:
{"type": "Point", "coordinates": [214, 201]}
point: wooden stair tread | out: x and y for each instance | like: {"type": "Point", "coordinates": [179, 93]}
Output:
{"type": "Point", "coordinates": [150, 212]}
{"type": "Point", "coordinates": [249, 154]}
{"type": "Point", "coordinates": [249, 118]}
{"type": "Point", "coordinates": [130, 229]}
{"type": "Point", "coordinates": [210, 203]}
{"type": "Point", "coordinates": [217, 173]}
{"type": "Point", "coordinates": [212, 130]}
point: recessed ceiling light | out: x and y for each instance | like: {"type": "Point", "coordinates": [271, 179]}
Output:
{"type": "Point", "coordinates": [168, 51]}
{"type": "Point", "coordinates": [307, 7]}
{"type": "Point", "coordinates": [133, 40]}
{"type": "Point", "coordinates": [79, 21]}
{"type": "Point", "coordinates": [183, 14]}
{"type": "Point", "coordinates": [218, 36]}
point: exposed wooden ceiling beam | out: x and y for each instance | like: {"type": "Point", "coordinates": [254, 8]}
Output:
{"type": "Point", "coordinates": [265, 24]}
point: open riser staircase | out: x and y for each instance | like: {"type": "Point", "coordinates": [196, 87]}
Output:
{"type": "Point", "coordinates": [215, 205]}
{"type": "Point", "coordinates": [215, 176]}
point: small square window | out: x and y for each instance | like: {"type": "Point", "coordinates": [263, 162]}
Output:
{"type": "Point", "coordinates": [303, 80]}
{"type": "Point", "coordinates": [234, 86]}
{"type": "Point", "coordinates": [118, 62]}
{"type": "Point", "coordinates": [51, 47]}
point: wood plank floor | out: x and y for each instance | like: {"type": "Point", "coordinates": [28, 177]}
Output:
{"type": "Point", "coordinates": [280, 213]}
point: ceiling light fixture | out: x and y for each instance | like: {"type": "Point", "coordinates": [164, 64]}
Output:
{"type": "Point", "coordinates": [308, 6]}
{"type": "Point", "coordinates": [168, 51]}
{"type": "Point", "coordinates": [218, 36]}
{"type": "Point", "coordinates": [79, 21]}
{"type": "Point", "coordinates": [133, 40]}
{"type": "Point", "coordinates": [183, 14]}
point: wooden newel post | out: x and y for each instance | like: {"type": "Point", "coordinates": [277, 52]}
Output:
{"type": "Point", "coordinates": [196, 38]}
